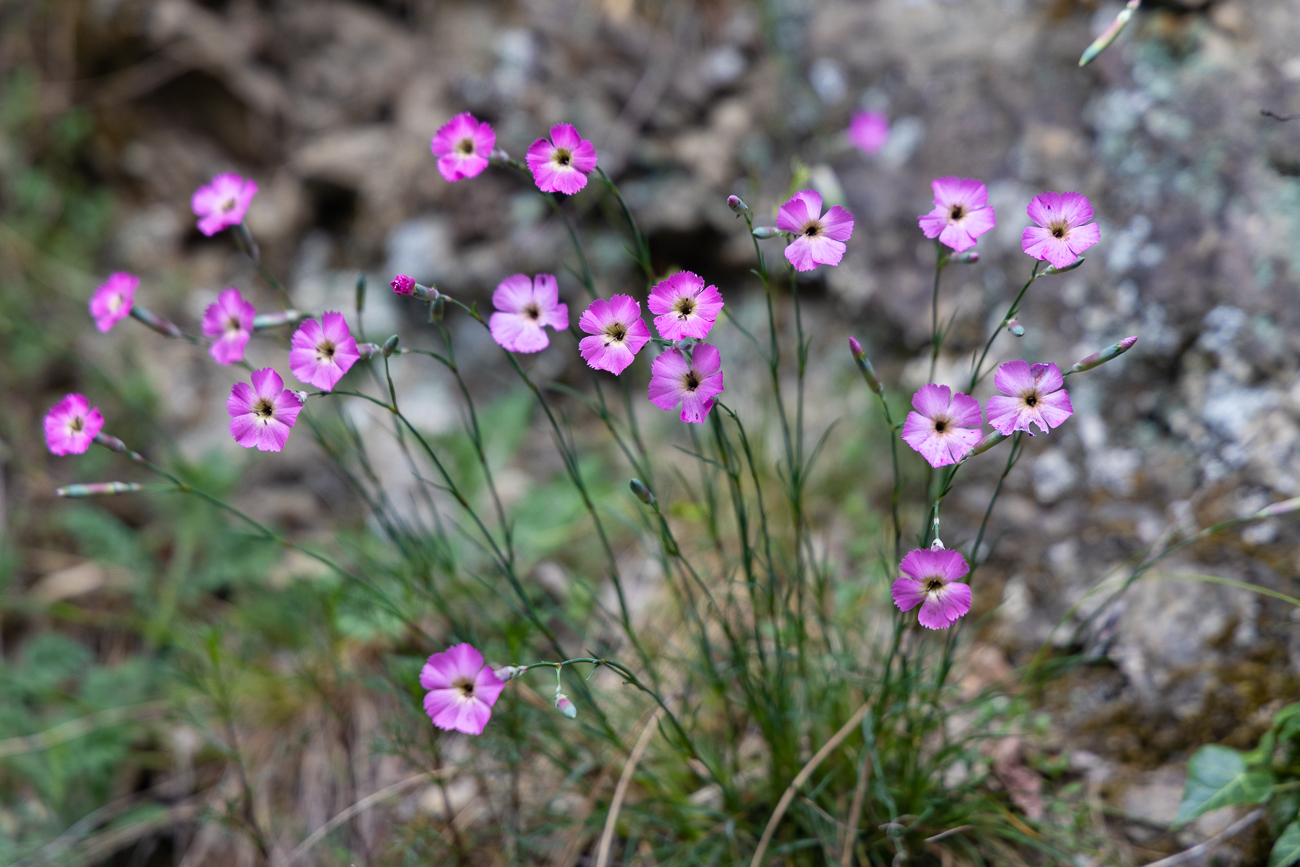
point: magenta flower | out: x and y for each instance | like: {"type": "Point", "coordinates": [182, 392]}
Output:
{"type": "Point", "coordinates": [524, 309]}
{"type": "Point", "coordinates": [961, 212]}
{"type": "Point", "coordinates": [461, 688]}
{"type": "Point", "coordinates": [821, 236]}
{"type": "Point", "coordinates": [462, 146]}
{"type": "Point", "coordinates": [618, 333]}
{"type": "Point", "coordinates": [403, 285]}
{"type": "Point", "coordinates": [692, 382]}
{"type": "Point", "coordinates": [321, 352]}
{"type": "Point", "coordinates": [944, 426]}
{"type": "Point", "coordinates": [223, 202]}
{"type": "Point", "coordinates": [71, 425]}
{"type": "Point", "coordinates": [112, 301]}
{"type": "Point", "coordinates": [686, 307]}
{"type": "Point", "coordinates": [929, 579]}
{"type": "Point", "coordinates": [1030, 395]}
{"type": "Point", "coordinates": [262, 414]}
{"type": "Point", "coordinates": [561, 165]}
{"type": "Point", "coordinates": [868, 131]}
{"type": "Point", "coordinates": [230, 321]}
{"type": "Point", "coordinates": [1061, 234]}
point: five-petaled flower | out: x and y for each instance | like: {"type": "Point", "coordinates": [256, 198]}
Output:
{"type": "Point", "coordinates": [261, 415]}
{"type": "Point", "coordinates": [821, 236]}
{"type": "Point", "coordinates": [112, 301]}
{"type": "Point", "coordinates": [230, 321]}
{"type": "Point", "coordinates": [1063, 230]}
{"type": "Point", "coordinates": [944, 426]}
{"type": "Point", "coordinates": [692, 382]}
{"type": "Point", "coordinates": [462, 146]}
{"type": "Point", "coordinates": [929, 579]}
{"type": "Point", "coordinates": [461, 688]}
{"type": "Point", "coordinates": [71, 425]}
{"type": "Point", "coordinates": [685, 307]}
{"type": "Point", "coordinates": [617, 333]}
{"type": "Point", "coordinates": [524, 309]}
{"type": "Point", "coordinates": [562, 163]}
{"type": "Point", "coordinates": [868, 131]}
{"type": "Point", "coordinates": [1031, 394]}
{"type": "Point", "coordinates": [321, 352]}
{"type": "Point", "coordinates": [222, 202]}
{"type": "Point", "coordinates": [961, 212]}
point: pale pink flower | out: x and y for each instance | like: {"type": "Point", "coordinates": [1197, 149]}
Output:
{"type": "Point", "coordinates": [868, 131]}
{"type": "Point", "coordinates": [1031, 394]}
{"type": "Point", "coordinates": [692, 382]}
{"type": "Point", "coordinates": [685, 306]}
{"type": "Point", "coordinates": [461, 688]}
{"type": "Point", "coordinates": [524, 309]}
{"type": "Point", "coordinates": [561, 165]}
{"type": "Point", "coordinates": [961, 212]}
{"type": "Point", "coordinates": [112, 301]}
{"type": "Point", "coordinates": [321, 352]}
{"type": "Point", "coordinates": [617, 333]}
{"type": "Point", "coordinates": [929, 579]}
{"type": "Point", "coordinates": [403, 284]}
{"type": "Point", "coordinates": [944, 426]}
{"type": "Point", "coordinates": [230, 321]}
{"type": "Point", "coordinates": [71, 425]}
{"type": "Point", "coordinates": [222, 202]}
{"type": "Point", "coordinates": [462, 146]}
{"type": "Point", "coordinates": [1061, 234]}
{"type": "Point", "coordinates": [261, 415]}
{"type": "Point", "coordinates": [821, 236]}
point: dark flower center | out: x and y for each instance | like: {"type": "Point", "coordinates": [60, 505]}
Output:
{"type": "Point", "coordinates": [1032, 400]}
{"type": "Point", "coordinates": [532, 312]}
{"type": "Point", "coordinates": [940, 425]}
{"type": "Point", "coordinates": [616, 332]}
{"type": "Point", "coordinates": [1058, 231]}
{"type": "Point", "coordinates": [326, 350]}
{"type": "Point", "coordinates": [933, 585]}
{"type": "Point", "coordinates": [958, 211]}
{"type": "Point", "coordinates": [685, 306]}
{"type": "Point", "coordinates": [812, 230]}
{"type": "Point", "coordinates": [465, 686]}
{"type": "Point", "coordinates": [692, 381]}
{"type": "Point", "coordinates": [233, 324]}
{"type": "Point", "coordinates": [562, 156]}
{"type": "Point", "coordinates": [77, 424]}
{"type": "Point", "coordinates": [229, 204]}
{"type": "Point", "coordinates": [263, 408]}
{"type": "Point", "coordinates": [465, 146]}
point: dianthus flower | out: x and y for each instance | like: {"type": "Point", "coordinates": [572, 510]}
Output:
{"type": "Point", "coordinates": [524, 309]}
{"type": "Point", "coordinates": [462, 146]}
{"type": "Point", "coordinates": [944, 426]}
{"type": "Point", "coordinates": [929, 579]}
{"type": "Point", "coordinates": [961, 212]}
{"type": "Point", "coordinates": [71, 425]}
{"type": "Point", "coordinates": [562, 163]}
{"type": "Point", "coordinates": [403, 284]}
{"type": "Point", "coordinates": [230, 321]}
{"type": "Point", "coordinates": [617, 333]}
{"type": "Point", "coordinates": [691, 382]}
{"type": "Point", "coordinates": [685, 306]}
{"type": "Point", "coordinates": [1061, 234]}
{"type": "Point", "coordinates": [222, 202]}
{"type": "Point", "coordinates": [262, 414]}
{"type": "Point", "coordinates": [1031, 394]}
{"type": "Point", "coordinates": [821, 236]}
{"type": "Point", "coordinates": [461, 688]}
{"type": "Point", "coordinates": [112, 301]}
{"type": "Point", "coordinates": [321, 352]}
{"type": "Point", "coordinates": [868, 131]}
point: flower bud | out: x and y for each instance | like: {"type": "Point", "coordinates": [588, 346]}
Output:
{"type": "Point", "coordinates": [985, 444]}
{"type": "Point", "coordinates": [509, 672]}
{"type": "Point", "coordinates": [361, 292]}
{"type": "Point", "coordinates": [1283, 508]}
{"type": "Point", "coordinates": [1110, 34]}
{"type": "Point", "coordinates": [390, 346]}
{"type": "Point", "coordinates": [437, 309]}
{"type": "Point", "coordinates": [368, 350]}
{"type": "Point", "coordinates": [1099, 358]}
{"type": "Point", "coordinates": [403, 284]}
{"type": "Point", "coordinates": [99, 489]}
{"type": "Point", "coordinates": [937, 544]}
{"type": "Point", "coordinates": [762, 233]}
{"type": "Point", "coordinates": [642, 492]}
{"type": "Point", "coordinates": [1016, 328]}
{"type": "Point", "coordinates": [970, 257]}
{"type": "Point", "coordinates": [566, 707]}
{"type": "Point", "coordinates": [301, 395]}
{"type": "Point", "coordinates": [263, 321]}
{"type": "Point", "coordinates": [1052, 269]}
{"type": "Point", "coordinates": [154, 321]}
{"type": "Point", "coordinates": [864, 365]}
{"type": "Point", "coordinates": [737, 205]}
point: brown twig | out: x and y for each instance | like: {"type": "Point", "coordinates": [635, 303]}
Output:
{"type": "Point", "coordinates": [1212, 843]}
{"type": "Point", "coordinates": [624, 780]}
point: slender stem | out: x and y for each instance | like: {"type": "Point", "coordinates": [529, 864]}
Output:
{"type": "Point", "coordinates": [936, 339]}
{"type": "Point", "coordinates": [642, 255]}
{"type": "Point", "coordinates": [976, 371]}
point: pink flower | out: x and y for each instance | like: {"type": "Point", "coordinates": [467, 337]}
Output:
{"type": "Point", "coordinates": [461, 688]}
{"type": "Point", "coordinates": [686, 307]}
{"type": "Point", "coordinates": [223, 202]}
{"type": "Point", "coordinates": [1061, 234]}
{"type": "Point", "coordinates": [961, 212]}
{"type": "Point", "coordinates": [230, 321]}
{"type": "Point", "coordinates": [691, 382]}
{"type": "Point", "coordinates": [1030, 395]}
{"type": "Point", "coordinates": [462, 146]}
{"type": "Point", "coordinates": [618, 333]}
{"type": "Point", "coordinates": [944, 426]}
{"type": "Point", "coordinates": [403, 285]}
{"type": "Point", "coordinates": [321, 352]}
{"type": "Point", "coordinates": [929, 579]}
{"type": "Point", "coordinates": [112, 301]}
{"type": "Point", "coordinates": [262, 414]}
{"type": "Point", "coordinates": [868, 131]}
{"type": "Point", "coordinates": [524, 309]}
{"type": "Point", "coordinates": [71, 425]}
{"type": "Point", "coordinates": [821, 237]}
{"type": "Point", "coordinates": [562, 164]}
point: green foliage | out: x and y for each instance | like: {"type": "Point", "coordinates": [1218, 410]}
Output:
{"type": "Point", "coordinates": [1219, 777]}
{"type": "Point", "coordinates": [1286, 851]}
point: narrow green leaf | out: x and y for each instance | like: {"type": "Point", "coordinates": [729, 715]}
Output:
{"type": "Point", "coordinates": [1286, 851]}
{"type": "Point", "coordinates": [1218, 777]}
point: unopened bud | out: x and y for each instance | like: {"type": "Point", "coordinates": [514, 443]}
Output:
{"type": "Point", "coordinates": [566, 707]}
{"type": "Point", "coordinates": [1110, 34]}
{"type": "Point", "coordinates": [1099, 358]}
{"type": "Point", "coordinates": [970, 257]}
{"type": "Point", "coordinates": [509, 672]}
{"type": "Point", "coordinates": [403, 284]}
{"type": "Point", "coordinates": [1016, 328]}
{"type": "Point", "coordinates": [99, 489]}
{"type": "Point", "coordinates": [937, 544]}
{"type": "Point", "coordinates": [154, 321]}
{"type": "Point", "coordinates": [437, 309]}
{"type": "Point", "coordinates": [737, 205]}
{"type": "Point", "coordinates": [1283, 508]}
{"type": "Point", "coordinates": [390, 346]}
{"type": "Point", "coordinates": [368, 350]}
{"type": "Point", "coordinates": [642, 492]}
{"type": "Point", "coordinates": [263, 321]}
{"type": "Point", "coordinates": [985, 444]}
{"type": "Point", "coordinates": [864, 365]}
{"type": "Point", "coordinates": [301, 395]}
{"type": "Point", "coordinates": [361, 292]}
{"type": "Point", "coordinates": [762, 233]}
{"type": "Point", "coordinates": [1052, 269]}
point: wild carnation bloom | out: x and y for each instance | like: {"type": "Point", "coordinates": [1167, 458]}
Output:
{"type": "Point", "coordinates": [961, 212]}
{"type": "Point", "coordinates": [868, 131]}
{"type": "Point", "coordinates": [1061, 234]}
{"type": "Point", "coordinates": [230, 322]}
{"type": "Point", "coordinates": [1031, 394]}
{"type": "Point", "coordinates": [618, 333]}
{"type": "Point", "coordinates": [262, 414]}
{"type": "Point", "coordinates": [685, 306]}
{"type": "Point", "coordinates": [112, 301]}
{"type": "Point", "coordinates": [71, 425]}
{"type": "Point", "coordinates": [462, 146]}
{"type": "Point", "coordinates": [524, 309]}
{"type": "Point", "coordinates": [561, 165]}
{"type": "Point", "coordinates": [821, 236]}
{"type": "Point", "coordinates": [461, 688]}
{"type": "Point", "coordinates": [929, 579]}
{"type": "Point", "coordinates": [944, 426]}
{"type": "Point", "coordinates": [223, 202]}
{"type": "Point", "coordinates": [691, 382]}
{"type": "Point", "coordinates": [403, 285]}
{"type": "Point", "coordinates": [321, 352]}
